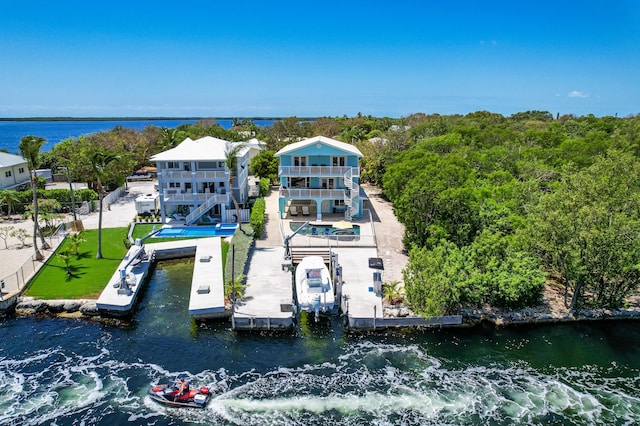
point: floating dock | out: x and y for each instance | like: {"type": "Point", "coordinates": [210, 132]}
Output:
{"type": "Point", "coordinates": [207, 285]}
{"type": "Point", "coordinates": [119, 296]}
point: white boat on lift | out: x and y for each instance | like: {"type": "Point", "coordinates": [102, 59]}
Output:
{"type": "Point", "coordinates": [314, 289]}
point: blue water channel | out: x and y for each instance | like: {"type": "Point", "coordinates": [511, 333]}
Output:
{"type": "Point", "coordinates": [74, 372]}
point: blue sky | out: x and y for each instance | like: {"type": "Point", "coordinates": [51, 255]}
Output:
{"type": "Point", "coordinates": [384, 58]}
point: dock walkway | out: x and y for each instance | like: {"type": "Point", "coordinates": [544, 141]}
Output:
{"type": "Point", "coordinates": [360, 304]}
{"type": "Point", "coordinates": [268, 299]}
{"type": "Point", "coordinates": [207, 285]}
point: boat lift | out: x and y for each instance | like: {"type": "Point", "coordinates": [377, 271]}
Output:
{"type": "Point", "coordinates": [287, 265]}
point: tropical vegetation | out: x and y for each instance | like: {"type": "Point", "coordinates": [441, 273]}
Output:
{"type": "Point", "coordinates": [496, 208]}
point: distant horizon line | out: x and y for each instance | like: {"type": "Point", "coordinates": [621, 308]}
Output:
{"type": "Point", "coordinates": [66, 118]}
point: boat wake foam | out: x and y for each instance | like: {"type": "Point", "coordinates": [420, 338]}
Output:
{"type": "Point", "coordinates": [371, 383]}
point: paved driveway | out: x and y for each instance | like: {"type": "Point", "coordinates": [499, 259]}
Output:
{"type": "Point", "coordinates": [389, 233]}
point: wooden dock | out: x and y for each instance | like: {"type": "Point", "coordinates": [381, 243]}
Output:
{"type": "Point", "coordinates": [207, 285]}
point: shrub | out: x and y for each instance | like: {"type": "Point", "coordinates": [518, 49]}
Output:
{"type": "Point", "coordinates": [257, 217]}
{"type": "Point", "coordinates": [265, 183]}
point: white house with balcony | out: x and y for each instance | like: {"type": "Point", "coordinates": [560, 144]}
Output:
{"type": "Point", "coordinates": [13, 171]}
{"type": "Point", "coordinates": [193, 180]}
{"type": "Point", "coordinates": [319, 176]}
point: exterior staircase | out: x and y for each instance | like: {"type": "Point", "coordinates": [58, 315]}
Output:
{"type": "Point", "coordinates": [352, 190]}
{"type": "Point", "coordinates": [202, 209]}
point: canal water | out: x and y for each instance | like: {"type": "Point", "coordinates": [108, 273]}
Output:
{"type": "Point", "coordinates": [74, 372]}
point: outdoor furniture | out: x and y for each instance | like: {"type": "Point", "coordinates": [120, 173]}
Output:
{"type": "Point", "coordinates": [293, 210]}
{"type": "Point", "coordinates": [305, 210]}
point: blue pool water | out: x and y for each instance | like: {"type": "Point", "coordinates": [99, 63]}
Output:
{"type": "Point", "coordinates": [312, 229]}
{"type": "Point", "coordinates": [220, 230]}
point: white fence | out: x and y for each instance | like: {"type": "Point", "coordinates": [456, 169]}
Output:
{"type": "Point", "coordinates": [16, 281]}
{"type": "Point", "coordinates": [112, 196]}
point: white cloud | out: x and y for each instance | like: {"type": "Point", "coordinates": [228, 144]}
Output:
{"type": "Point", "coordinates": [578, 94]}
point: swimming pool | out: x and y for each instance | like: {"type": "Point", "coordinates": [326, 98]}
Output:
{"type": "Point", "coordinates": [220, 230]}
{"type": "Point", "coordinates": [321, 230]}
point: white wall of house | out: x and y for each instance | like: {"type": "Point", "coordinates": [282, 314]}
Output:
{"type": "Point", "coordinates": [13, 171]}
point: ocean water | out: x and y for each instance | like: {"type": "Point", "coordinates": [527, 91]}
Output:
{"type": "Point", "coordinates": [75, 372]}
{"type": "Point", "coordinates": [55, 131]}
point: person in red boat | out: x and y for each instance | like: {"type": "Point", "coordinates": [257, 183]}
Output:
{"type": "Point", "coordinates": [183, 387]}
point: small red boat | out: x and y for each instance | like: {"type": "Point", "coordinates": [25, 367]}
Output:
{"type": "Point", "coordinates": [180, 395]}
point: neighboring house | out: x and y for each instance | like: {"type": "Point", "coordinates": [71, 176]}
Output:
{"type": "Point", "coordinates": [255, 146]}
{"type": "Point", "coordinates": [320, 175]}
{"type": "Point", "coordinates": [193, 180]}
{"type": "Point", "coordinates": [13, 171]}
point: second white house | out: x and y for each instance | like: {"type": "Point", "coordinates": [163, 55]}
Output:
{"type": "Point", "coordinates": [193, 180]}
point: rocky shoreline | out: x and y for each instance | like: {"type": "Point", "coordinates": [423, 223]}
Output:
{"type": "Point", "coordinates": [87, 308]}
{"type": "Point", "coordinates": [534, 315]}
{"type": "Point", "coordinates": [30, 306]}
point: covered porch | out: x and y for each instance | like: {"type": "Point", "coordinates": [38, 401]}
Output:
{"type": "Point", "coordinates": [318, 203]}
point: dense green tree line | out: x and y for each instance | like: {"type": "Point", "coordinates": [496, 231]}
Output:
{"type": "Point", "coordinates": [495, 205]}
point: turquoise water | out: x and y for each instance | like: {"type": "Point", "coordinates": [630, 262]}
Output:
{"type": "Point", "coordinates": [75, 372]}
{"type": "Point", "coordinates": [312, 229]}
{"type": "Point", "coordinates": [224, 230]}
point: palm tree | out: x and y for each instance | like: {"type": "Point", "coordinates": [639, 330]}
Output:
{"type": "Point", "coordinates": [169, 138]}
{"type": "Point", "coordinates": [30, 149]}
{"type": "Point", "coordinates": [66, 258]}
{"type": "Point", "coordinates": [9, 198]}
{"type": "Point", "coordinates": [99, 161]}
{"type": "Point", "coordinates": [75, 240]}
{"type": "Point", "coordinates": [232, 165]}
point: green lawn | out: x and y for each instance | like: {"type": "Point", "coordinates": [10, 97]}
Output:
{"type": "Point", "coordinates": [89, 275]}
{"type": "Point", "coordinates": [141, 230]}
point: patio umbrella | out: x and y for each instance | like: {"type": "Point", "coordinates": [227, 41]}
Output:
{"type": "Point", "coordinates": [343, 224]}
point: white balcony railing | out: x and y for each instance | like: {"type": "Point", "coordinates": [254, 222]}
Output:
{"type": "Point", "coordinates": [199, 197]}
{"type": "Point", "coordinates": [212, 174]}
{"type": "Point", "coordinates": [317, 170]}
{"type": "Point", "coordinates": [307, 193]}
{"type": "Point", "coordinates": [200, 175]}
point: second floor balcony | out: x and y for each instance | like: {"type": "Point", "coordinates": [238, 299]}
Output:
{"type": "Point", "coordinates": [322, 171]}
{"type": "Point", "coordinates": [180, 175]}
{"type": "Point", "coordinates": [308, 193]}
{"type": "Point", "coordinates": [172, 195]}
